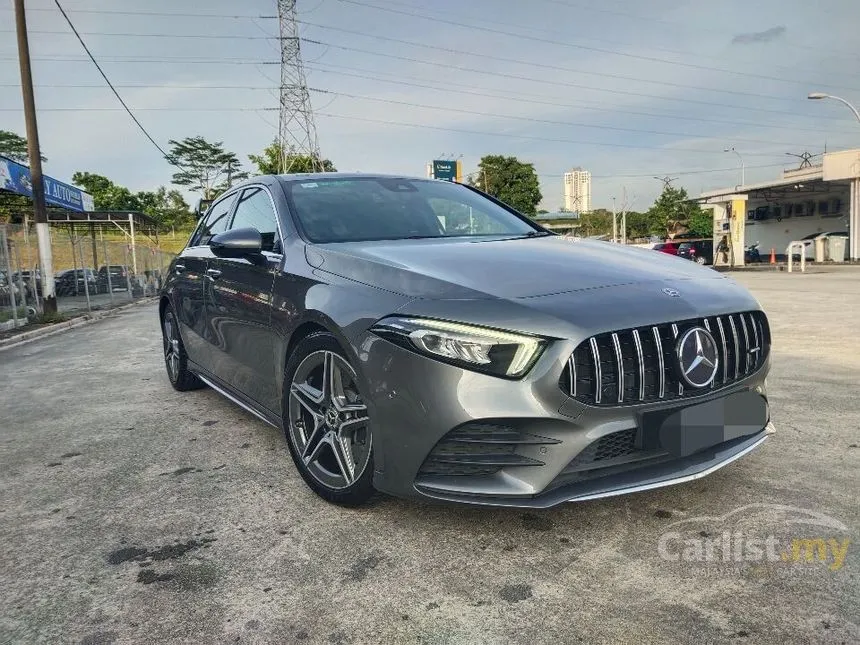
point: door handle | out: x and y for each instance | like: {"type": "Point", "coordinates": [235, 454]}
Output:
{"type": "Point", "coordinates": [179, 268]}
{"type": "Point", "coordinates": [213, 273]}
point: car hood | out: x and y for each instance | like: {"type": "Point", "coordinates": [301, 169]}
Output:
{"type": "Point", "coordinates": [493, 268]}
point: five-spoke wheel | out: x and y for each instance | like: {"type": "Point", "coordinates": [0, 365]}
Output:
{"type": "Point", "coordinates": [327, 422]}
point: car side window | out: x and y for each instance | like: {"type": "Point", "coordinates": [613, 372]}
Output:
{"type": "Point", "coordinates": [255, 210]}
{"type": "Point", "coordinates": [215, 222]}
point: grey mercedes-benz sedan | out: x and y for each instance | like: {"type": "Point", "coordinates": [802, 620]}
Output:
{"type": "Point", "coordinates": [420, 338]}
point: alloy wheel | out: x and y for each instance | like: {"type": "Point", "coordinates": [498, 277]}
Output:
{"type": "Point", "coordinates": [328, 421]}
{"type": "Point", "coordinates": [171, 347]}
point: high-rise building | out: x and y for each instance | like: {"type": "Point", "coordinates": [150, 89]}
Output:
{"type": "Point", "coordinates": [577, 190]}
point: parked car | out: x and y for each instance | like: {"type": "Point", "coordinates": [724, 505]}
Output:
{"type": "Point", "coordinates": [118, 278]}
{"type": "Point", "coordinates": [7, 290]}
{"type": "Point", "coordinates": [71, 282]}
{"type": "Point", "coordinates": [699, 251]}
{"type": "Point", "coordinates": [669, 248]}
{"type": "Point", "coordinates": [460, 364]}
{"type": "Point", "coordinates": [32, 282]}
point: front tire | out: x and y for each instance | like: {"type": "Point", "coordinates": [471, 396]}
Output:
{"type": "Point", "coordinates": [326, 422]}
{"type": "Point", "coordinates": [700, 259]}
{"type": "Point", "coordinates": [175, 358]}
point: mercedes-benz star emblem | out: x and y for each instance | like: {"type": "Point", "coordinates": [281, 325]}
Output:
{"type": "Point", "coordinates": [672, 293]}
{"type": "Point", "coordinates": [697, 357]}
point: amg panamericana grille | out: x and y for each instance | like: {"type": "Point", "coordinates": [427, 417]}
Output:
{"type": "Point", "coordinates": [638, 365]}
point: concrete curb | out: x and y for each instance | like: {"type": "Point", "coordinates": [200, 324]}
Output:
{"type": "Point", "coordinates": [58, 328]}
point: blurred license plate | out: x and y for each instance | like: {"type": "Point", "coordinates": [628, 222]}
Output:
{"type": "Point", "coordinates": [696, 427]}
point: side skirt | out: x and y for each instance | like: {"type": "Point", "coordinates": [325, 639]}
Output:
{"type": "Point", "coordinates": [236, 398]}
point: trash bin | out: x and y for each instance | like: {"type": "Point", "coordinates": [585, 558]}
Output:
{"type": "Point", "coordinates": [836, 248]}
{"type": "Point", "coordinates": [820, 244]}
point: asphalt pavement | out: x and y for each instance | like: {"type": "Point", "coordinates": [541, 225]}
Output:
{"type": "Point", "coordinates": [130, 513]}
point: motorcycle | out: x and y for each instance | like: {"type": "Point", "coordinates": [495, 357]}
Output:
{"type": "Point", "coordinates": [751, 254]}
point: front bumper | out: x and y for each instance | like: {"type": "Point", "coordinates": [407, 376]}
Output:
{"type": "Point", "coordinates": [415, 402]}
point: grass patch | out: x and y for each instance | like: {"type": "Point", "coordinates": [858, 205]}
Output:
{"type": "Point", "coordinates": [50, 318]}
{"type": "Point", "coordinates": [6, 314]}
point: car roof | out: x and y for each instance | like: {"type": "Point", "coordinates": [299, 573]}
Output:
{"type": "Point", "coordinates": [313, 176]}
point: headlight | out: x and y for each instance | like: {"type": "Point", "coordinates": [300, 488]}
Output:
{"type": "Point", "coordinates": [502, 353]}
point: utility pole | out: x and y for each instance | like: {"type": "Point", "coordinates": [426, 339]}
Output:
{"type": "Point", "coordinates": [297, 132]}
{"type": "Point", "coordinates": [614, 223]}
{"type": "Point", "coordinates": [667, 181]}
{"type": "Point", "coordinates": [40, 214]}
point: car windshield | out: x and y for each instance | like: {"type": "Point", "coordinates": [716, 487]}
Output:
{"type": "Point", "coordinates": [379, 208]}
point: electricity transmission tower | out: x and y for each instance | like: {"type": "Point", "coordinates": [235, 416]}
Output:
{"type": "Point", "coordinates": [297, 133]}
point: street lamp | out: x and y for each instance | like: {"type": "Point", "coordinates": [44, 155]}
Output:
{"type": "Point", "coordinates": [743, 167]}
{"type": "Point", "coordinates": [822, 95]}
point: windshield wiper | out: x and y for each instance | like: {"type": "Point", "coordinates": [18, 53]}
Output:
{"type": "Point", "coordinates": [536, 234]}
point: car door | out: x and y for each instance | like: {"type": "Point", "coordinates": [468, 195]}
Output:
{"type": "Point", "coordinates": [241, 341]}
{"type": "Point", "coordinates": [189, 270]}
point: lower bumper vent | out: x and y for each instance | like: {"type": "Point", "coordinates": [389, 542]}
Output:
{"type": "Point", "coordinates": [481, 449]}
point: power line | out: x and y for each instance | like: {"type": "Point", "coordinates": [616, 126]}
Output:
{"type": "Point", "coordinates": [152, 13]}
{"type": "Point", "coordinates": [529, 137]}
{"type": "Point", "coordinates": [535, 98]}
{"type": "Point", "coordinates": [450, 66]}
{"type": "Point", "coordinates": [463, 53]}
{"type": "Point", "coordinates": [546, 121]}
{"type": "Point", "coordinates": [107, 80]}
{"type": "Point", "coordinates": [392, 101]}
{"type": "Point", "coordinates": [160, 86]}
{"type": "Point", "coordinates": [151, 35]}
{"type": "Point", "coordinates": [366, 5]}
{"type": "Point", "coordinates": [164, 59]}
{"type": "Point", "coordinates": [152, 109]}
{"type": "Point", "coordinates": [485, 20]}
{"type": "Point", "coordinates": [675, 172]}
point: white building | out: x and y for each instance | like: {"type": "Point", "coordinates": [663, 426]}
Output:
{"type": "Point", "coordinates": [801, 204]}
{"type": "Point", "coordinates": [577, 190]}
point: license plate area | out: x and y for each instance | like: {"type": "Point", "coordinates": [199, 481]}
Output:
{"type": "Point", "coordinates": [684, 431]}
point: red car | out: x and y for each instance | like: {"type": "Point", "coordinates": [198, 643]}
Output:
{"type": "Point", "coordinates": [667, 247]}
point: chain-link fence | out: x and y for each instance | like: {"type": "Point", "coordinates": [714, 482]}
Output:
{"type": "Point", "coordinates": [93, 269]}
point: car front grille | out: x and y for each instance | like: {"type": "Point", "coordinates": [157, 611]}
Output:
{"type": "Point", "coordinates": [638, 365]}
{"type": "Point", "coordinates": [481, 449]}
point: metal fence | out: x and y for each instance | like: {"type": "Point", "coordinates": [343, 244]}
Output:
{"type": "Point", "coordinates": [93, 269]}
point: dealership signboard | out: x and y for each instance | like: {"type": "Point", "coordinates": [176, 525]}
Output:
{"type": "Point", "coordinates": [447, 170]}
{"type": "Point", "coordinates": [15, 178]}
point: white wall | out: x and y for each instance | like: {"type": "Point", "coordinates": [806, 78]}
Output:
{"type": "Point", "coordinates": [771, 233]}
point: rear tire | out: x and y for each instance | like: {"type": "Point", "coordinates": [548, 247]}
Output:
{"type": "Point", "coordinates": [175, 358]}
{"type": "Point", "coordinates": [326, 423]}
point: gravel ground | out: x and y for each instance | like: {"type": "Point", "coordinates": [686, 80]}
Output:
{"type": "Point", "coordinates": [131, 513]}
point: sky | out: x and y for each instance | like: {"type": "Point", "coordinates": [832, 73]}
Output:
{"type": "Point", "coordinates": [626, 89]}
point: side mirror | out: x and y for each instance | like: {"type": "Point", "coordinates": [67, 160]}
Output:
{"type": "Point", "coordinates": [237, 243]}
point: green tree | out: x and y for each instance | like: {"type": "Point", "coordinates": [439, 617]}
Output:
{"type": "Point", "coordinates": [596, 222]}
{"type": "Point", "coordinates": [700, 222]}
{"type": "Point", "coordinates": [14, 147]}
{"type": "Point", "coordinates": [167, 207]}
{"type": "Point", "coordinates": [204, 166]}
{"type": "Point", "coordinates": [638, 225]}
{"type": "Point", "coordinates": [509, 180]}
{"type": "Point", "coordinates": [674, 210]}
{"type": "Point", "coordinates": [269, 162]}
{"type": "Point", "coordinates": [107, 196]}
